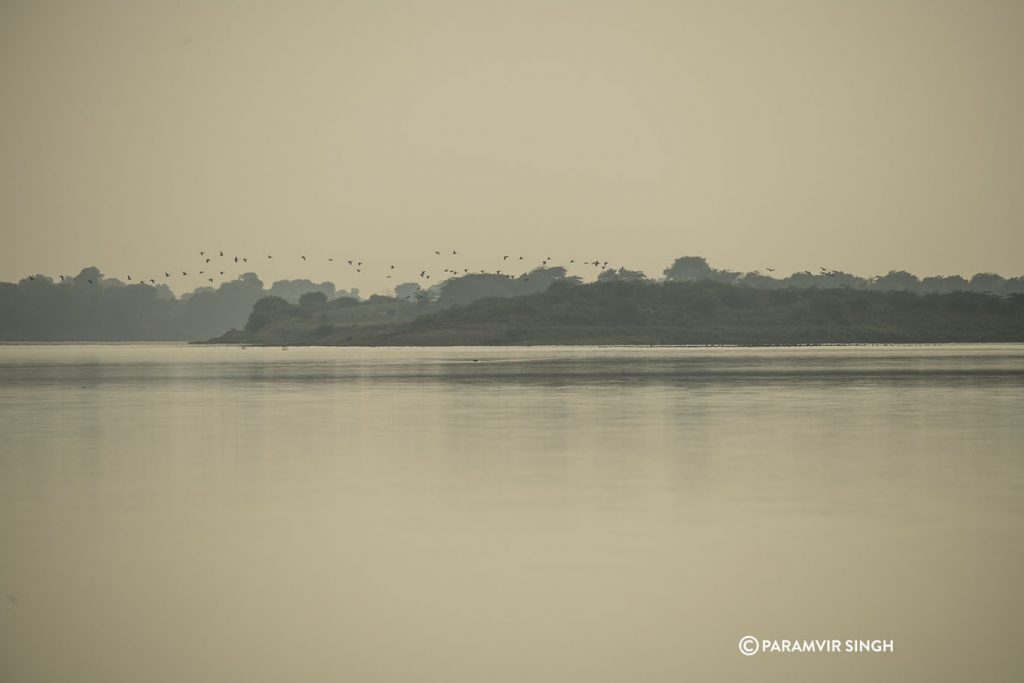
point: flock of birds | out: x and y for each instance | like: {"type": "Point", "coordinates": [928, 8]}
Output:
{"type": "Point", "coordinates": [214, 265]}
{"type": "Point", "coordinates": [214, 261]}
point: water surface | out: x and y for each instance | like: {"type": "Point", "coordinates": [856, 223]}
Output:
{"type": "Point", "coordinates": [176, 513]}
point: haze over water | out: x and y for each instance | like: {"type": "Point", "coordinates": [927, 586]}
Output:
{"type": "Point", "coordinates": [175, 513]}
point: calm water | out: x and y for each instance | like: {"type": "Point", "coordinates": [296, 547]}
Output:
{"type": "Point", "coordinates": [170, 513]}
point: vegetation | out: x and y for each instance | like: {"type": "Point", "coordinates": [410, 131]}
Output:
{"type": "Point", "coordinates": [90, 307]}
{"type": "Point", "coordinates": [631, 311]}
{"type": "Point", "coordinates": [692, 303]}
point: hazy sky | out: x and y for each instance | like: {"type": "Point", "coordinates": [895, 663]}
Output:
{"type": "Point", "coordinates": [862, 136]}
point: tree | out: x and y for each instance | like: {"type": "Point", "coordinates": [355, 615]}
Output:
{"type": "Point", "coordinates": [264, 310]}
{"type": "Point", "coordinates": [621, 275]}
{"type": "Point", "coordinates": [897, 281]}
{"type": "Point", "coordinates": [311, 301]}
{"type": "Point", "coordinates": [688, 268]}
{"type": "Point", "coordinates": [939, 284]}
{"type": "Point", "coordinates": [987, 282]}
{"type": "Point", "coordinates": [407, 291]}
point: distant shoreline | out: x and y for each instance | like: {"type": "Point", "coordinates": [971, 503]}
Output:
{"type": "Point", "coordinates": [704, 313]}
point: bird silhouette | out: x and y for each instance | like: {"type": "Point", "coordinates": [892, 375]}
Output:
{"type": "Point", "coordinates": [222, 253]}
{"type": "Point", "coordinates": [504, 258]}
{"type": "Point", "coordinates": [303, 258]}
